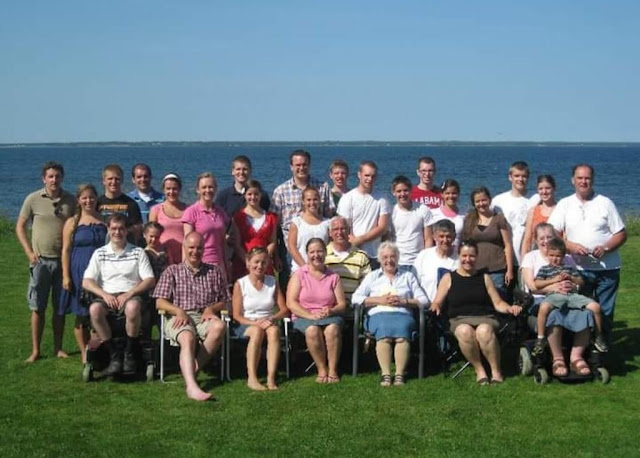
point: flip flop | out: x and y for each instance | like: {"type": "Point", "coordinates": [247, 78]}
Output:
{"type": "Point", "coordinates": [333, 379]}
{"type": "Point", "coordinates": [484, 381]}
{"type": "Point", "coordinates": [496, 381]}
{"type": "Point", "coordinates": [321, 379]}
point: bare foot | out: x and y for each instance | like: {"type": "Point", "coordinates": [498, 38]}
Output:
{"type": "Point", "coordinates": [32, 358]}
{"type": "Point", "coordinates": [198, 395]}
{"type": "Point", "coordinates": [62, 354]}
{"type": "Point", "coordinates": [272, 386]}
{"type": "Point", "coordinates": [256, 385]}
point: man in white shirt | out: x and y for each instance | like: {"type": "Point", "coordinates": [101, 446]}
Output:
{"type": "Point", "coordinates": [593, 231]}
{"type": "Point", "coordinates": [514, 204]}
{"type": "Point", "coordinates": [367, 212]}
{"type": "Point", "coordinates": [118, 274]}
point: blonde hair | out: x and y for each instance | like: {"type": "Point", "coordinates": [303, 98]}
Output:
{"type": "Point", "coordinates": [204, 175]}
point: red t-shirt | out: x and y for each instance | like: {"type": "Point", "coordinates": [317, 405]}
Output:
{"type": "Point", "coordinates": [432, 199]}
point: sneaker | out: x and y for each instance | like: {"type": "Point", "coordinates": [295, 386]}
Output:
{"type": "Point", "coordinates": [540, 345]}
{"type": "Point", "coordinates": [130, 365]}
{"type": "Point", "coordinates": [114, 367]}
{"type": "Point", "coordinates": [601, 344]}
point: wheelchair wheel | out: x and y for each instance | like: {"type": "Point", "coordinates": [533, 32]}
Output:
{"type": "Point", "coordinates": [541, 376]}
{"type": "Point", "coordinates": [87, 373]}
{"type": "Point", "coordinates": [602, 375]}
{"type": "Point", "coordinates": [150, 372]}
{"type": "Point", "coordinates": [525, 364]}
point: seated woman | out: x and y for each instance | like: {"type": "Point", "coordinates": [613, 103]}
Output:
{"type": "Point", "coordinates": [472, 300]}
{"type": "Point", "coordinates": [255, 297]}
{"type": "Point", "coordinates": [578, 321]}
{"type": "Point", "coordinates": [492, 234]}
{"type": "Point", "coordinates": [389, 294]}
{"type": "Point", "coordinates": [316, 299]}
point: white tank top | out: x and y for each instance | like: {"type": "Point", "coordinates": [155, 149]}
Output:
{"type": "Point", "coordinates": [305, 233]}
{"type": "Point", "coordinates": [258, 304]}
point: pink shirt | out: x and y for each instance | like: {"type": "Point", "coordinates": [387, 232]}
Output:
{"type": "Point", "coordinates": [212, 225]}
{"type": "Point", "coordinates": [315, 294]}
{"type": "Point", "coordinates": [172, 235]}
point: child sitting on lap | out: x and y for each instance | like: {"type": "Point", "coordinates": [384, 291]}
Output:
{"type": "Point", "coordinates": [556, 271]}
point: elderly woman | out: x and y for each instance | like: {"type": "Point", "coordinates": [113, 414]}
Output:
{"type": "Point", "coordinates": [578, 321]}
{"type": "Point", "coordinates": [472, 301]}
{"type": "Point", "coordinates": [316, 300]}
{"type": "Point", "coordinates": [389, 294]}
{"type": "Point", "coordinates": [432, 261]}
{"type": "Point", "coordinates": [211, 221]}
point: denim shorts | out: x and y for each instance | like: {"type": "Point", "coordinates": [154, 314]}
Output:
{"type": "Point", "coordinates": [301, 324]}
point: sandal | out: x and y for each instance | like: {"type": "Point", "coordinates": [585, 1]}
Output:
{"type": "Point", "coordinates": [385, 380]}
{"type": "Point", "coordinates": [333, 378]}
{"type": "Point", "coordinates": [321, 379]}
{"type": "Point", "coordinates": [580, 367]}
{"type": "Point", "coordinates": [559, 368]}
{"type": "Point", "coordinates": [484, 381]}
{"type": "Point", "coordinates": [398, 380]}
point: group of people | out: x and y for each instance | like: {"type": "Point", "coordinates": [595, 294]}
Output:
{"type": "Point", "coordinates": [311, 250]}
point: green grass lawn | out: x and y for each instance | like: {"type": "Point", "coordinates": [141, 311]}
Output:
{"type": "Point", "coordinates": [46, 410]}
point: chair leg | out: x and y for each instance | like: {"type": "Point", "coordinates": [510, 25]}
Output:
{"type": "Point", "coordinates": [286, 351]}
{"type": "Point", "coordinates": [356, 334]}
{"type": "Point", "coordinates": [422, 338]}
{"type": "Point", "coordinates": [461, 370]}
{"type": "Point", "coordinates": [162, 347]}
{"type": "Point", "coordinates": [226, 351]}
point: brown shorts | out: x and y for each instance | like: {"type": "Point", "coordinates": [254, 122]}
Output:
{"type": "Point", "coordinates": [473, 321]}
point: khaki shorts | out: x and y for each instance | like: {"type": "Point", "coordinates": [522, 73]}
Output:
{"type": "Point", "coordinates": [196, 326]}
{"type": "Point", "coordinates": [473, 321]}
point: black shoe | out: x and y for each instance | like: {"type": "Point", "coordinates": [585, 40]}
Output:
{"type": "Point", "coordinates": [130, 365]}
{"type": "Point", "coordinates": [114, 367]}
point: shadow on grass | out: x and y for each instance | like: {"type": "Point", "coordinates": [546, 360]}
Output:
{"type": "Point", "coordinates": [625, 348]}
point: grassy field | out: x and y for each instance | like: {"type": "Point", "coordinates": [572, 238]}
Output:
{"type": "Point", "coordinates": [46, 410]}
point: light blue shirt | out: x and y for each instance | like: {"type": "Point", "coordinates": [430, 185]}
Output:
{"type": "Point", "coordinates": [404, 284]}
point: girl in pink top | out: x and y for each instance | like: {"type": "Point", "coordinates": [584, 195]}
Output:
{"type": "Point", "coordinates": [316, 298]}
{"type": "Point", "coordinates": [169, 215]}
{"type": "Point", "coordinates": [212, 223]}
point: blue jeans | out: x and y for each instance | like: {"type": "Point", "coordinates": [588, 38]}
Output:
{"type": "Point", "coordinates": [602, 285]}
{"type": "Point", "coordinates": [498, 282]}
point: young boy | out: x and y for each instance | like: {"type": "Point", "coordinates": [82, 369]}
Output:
{"type": "Point", "coordinates": [154, 249]}
{"type": "Point", "coordinates": [514, 204]}
{"type": "Point", "coordinates": [557, 271]}
{"type": "Point", "coordinates": [339, 174]}
{"type": "Point", "coordinates": [231, 199]}
{"type": "Point", "coordinates": [409, 223]}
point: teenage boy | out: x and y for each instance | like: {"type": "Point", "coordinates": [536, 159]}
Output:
{"type": "Point", "coordinates": [339, 174]}
{"type": "Point", "coordinates": [115, 201]}
{"type": "Point", "coordinates": [409, 223]}
{"type": "Point", "coordinates": [47, 210]}
{"type": "Point", "coordinates": [514, 204]}
{"type": "Point", "coordinates": [426, 192]}
{"type": "Point", "coordinates": [231, 199]}
{"type": "Point", "coordinates": [367, 212]}
{"type": "Point", "coordinates": [144, 194]}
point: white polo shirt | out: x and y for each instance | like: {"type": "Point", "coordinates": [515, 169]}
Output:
{"type": "Point", "coordinates": [117, 273]}
{"type": "Point", "coordinates": [589, 223]}
{"type": "Point", "coordinates": [363, 212]}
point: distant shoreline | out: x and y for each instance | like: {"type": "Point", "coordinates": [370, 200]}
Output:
{"type": "Point", "coordinates": [118, 144]}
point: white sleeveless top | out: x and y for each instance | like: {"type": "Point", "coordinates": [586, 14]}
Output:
{"type": "Point", "coordinates": [258, 304]}
{"type": "Point", "coordinates": [305, 233]}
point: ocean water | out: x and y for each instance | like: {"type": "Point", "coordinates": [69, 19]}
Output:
{"type": "Point", "coordinates": [616, 166]}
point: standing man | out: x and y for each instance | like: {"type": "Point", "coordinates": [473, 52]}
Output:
{"type": "Point", "coordinates": [287, 203]}
{"type": "Point", "coordinates": [46, 209]}
{"type": "Point", "coordinates": [114, 201]}
{"type": "Point", "coordinates": [426, 192]}
{"type": "Point", "coordinates": [367, 212]}
{"type": "Point", "coordinates": [144, 194]}
{"type": "Point", "coordinates": [339, 174]}
{"type": "Point", "coordinates": [232, 198]}
{"type": "Point", "coordinates": [193, 293]}
{"type": "Point", "coordinates": [593, 231]}
{"type": "Point", "coordinates": [514, 205]}
{"type": "Point", "coordinates": [118, 274]}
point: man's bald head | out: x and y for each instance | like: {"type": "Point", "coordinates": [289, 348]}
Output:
{"type": "Point", "coordinates": [193, 247]}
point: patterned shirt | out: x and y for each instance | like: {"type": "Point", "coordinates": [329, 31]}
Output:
{"type": "Point", "coordinates": [192, 291]}
{"type": "Point", "coordinates": [549, 271]}
{"type": "Point", "coordinates": [287, 201]}
{"type": "Point", "coordinates": [352, 267]}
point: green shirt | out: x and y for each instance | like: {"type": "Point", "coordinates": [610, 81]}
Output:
{"type": "Point", "coordinates": [47, 216]}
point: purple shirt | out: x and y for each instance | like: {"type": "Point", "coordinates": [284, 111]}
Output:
{"type": "Point", "coordinates": [212, 225]}
{"type": "Point", "coordinates": [190, 290]}
{"type": "Point", "coordinates": [315, 294]}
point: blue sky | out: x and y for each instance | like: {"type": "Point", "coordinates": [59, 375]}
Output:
{"type": "Point", "coordinates": [325, 70]}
